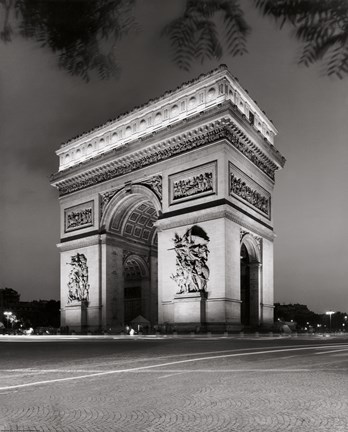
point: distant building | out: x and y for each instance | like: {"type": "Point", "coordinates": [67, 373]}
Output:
{"type": "Point", "coordinates": [36, 312]}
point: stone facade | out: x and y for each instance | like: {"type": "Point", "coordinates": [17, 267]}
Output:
{"type": "Point", "coordinates": [170, 206]}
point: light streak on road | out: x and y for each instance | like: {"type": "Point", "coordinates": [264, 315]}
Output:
{"type": "Point", "coordinates": [177, 362]}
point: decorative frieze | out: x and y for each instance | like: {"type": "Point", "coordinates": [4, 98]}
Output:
{"type": "Point", "coordinates": [78, 287]}
{"type": "Point", "coordinates": [194, 183]}
{"type": "Point", "coordinates": [192, 272]}
{"type": "Point", "coordinates": [155, 183]}
{"type": "Point", "coordinates": [249, 150]}
{"type": "Point", "coordinates": [249, 191]}
{"type": "Point", "coordinates": [78, 217]}
{"type": "Point", "coordinates": [165, 150]}
{"type": "Point", "coordinates": [187, 101]}
{"type": "Point", "coordinates": [240, 188]}
{"type": "Point", "coordinates": [106, 197]}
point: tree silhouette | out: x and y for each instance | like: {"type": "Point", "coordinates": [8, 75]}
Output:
{"type": "Point", "coordinates": [83, 33]}
{"type": "Point", "coordinates": [322, 25]}
{"type": "Point", "coordinates": [196, 36]}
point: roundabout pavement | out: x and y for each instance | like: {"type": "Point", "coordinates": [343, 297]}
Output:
{"type": "Point", "coordinates": [174, 384]}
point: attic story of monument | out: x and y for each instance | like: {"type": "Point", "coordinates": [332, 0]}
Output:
{"type": "Point", "coordinates": [166, 213]}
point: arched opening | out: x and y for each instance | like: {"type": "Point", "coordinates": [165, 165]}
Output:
{"type": "Point", "coordinates": [129, 220]}
{"type": "Point", "coordinates": [244, 286]}
{"type": "Point", "coordinates": [136, 287]}
{"type": "Point", "coordinates": [250, 264]}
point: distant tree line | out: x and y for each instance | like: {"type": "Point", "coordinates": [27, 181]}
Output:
{"type": "Point", "coordinates": [36, 313]}
{"type": "Point", "coordinates": [305, 318]}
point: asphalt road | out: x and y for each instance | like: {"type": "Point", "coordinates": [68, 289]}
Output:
{"type": "Point", "coordinates": [174, 384]}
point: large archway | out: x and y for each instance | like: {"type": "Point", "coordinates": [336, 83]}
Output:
{"type": "Point", "coordinates": [129, 222]}
{"type": "Point", "coordinates": [136, 287]}
{"type": "Point", "coordinates": [250, 280]}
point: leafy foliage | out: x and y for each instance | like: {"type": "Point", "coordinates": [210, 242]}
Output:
{"type": "Point", "coordinates": [296, 312]}
{"type": "Point", "coordinates": [301, 315]}
{"type": "Point", "coordinates": [8, 297]}
{"type": "Point", "coordinates": [322, 25]}
{"type": "Point", "coordinates": [7, 30]}
{"type": "Point", "coordinates": [195, 35]}
{"type": "Point", "coordinates": [82, 33]}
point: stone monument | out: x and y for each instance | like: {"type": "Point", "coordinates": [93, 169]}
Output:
{"type": "Point", "coordinates": [166, 213]}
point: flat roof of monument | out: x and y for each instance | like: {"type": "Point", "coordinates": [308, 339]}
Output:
{"type": "Point", "coordinates": [220, 72]}
{"type": "Point", "coordinates": [209, 91]}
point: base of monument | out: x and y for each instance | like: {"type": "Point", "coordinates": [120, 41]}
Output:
{"type": "Point", "coordinates": [190, 308]}
{"type": "Point", "coordinates": [202, 328]}
{"type": "Point", "coordinates": [76, 316]}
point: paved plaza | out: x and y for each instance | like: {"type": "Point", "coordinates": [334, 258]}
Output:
{"type": "Point", "coordinates": [155, 384]}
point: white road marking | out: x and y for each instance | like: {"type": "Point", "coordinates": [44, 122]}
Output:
{"type": "Point", "coordinates": [127, 361]}
{"type": "Point", "coordinates": [112, 372]}
{"type": "Point", "coordinates": [43, 371]}
{"type": "Point", "coordinates": [331, 346]}
{"type": "Point", "coordinates": [333, 351]}
{"type": "Point", "coordinates": [235, 371]}
{"type": "Point", "coordinates": [28, 371]}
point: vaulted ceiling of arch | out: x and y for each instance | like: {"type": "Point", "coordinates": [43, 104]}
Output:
{"type": "Point", "coordinates": [250, 251]}
{"type": "Point", "coordinates": [134, 268]}
{"type": "Point", "coordinates": [138, 223]}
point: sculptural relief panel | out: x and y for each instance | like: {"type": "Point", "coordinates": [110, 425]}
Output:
{"type": "Point", "coordinates": [78, 286]}
{"type": "Point", "coordinates": [249, 192]}
{"type": "Point", "coordinates": [193, 183]}
{"type": "Point", "coordinates": [192, 271]}
{"type": "Point", "coordinates": [78, 217]}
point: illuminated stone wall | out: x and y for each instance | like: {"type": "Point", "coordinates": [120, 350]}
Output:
{"type": "Point", "coordinates": [178, 204]}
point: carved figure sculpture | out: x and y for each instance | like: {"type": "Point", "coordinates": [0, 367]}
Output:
{"type": "Point", "coordinates": [193, 185]}
{"type": "Point", "coordinates": [192, 272]}
{"type": "Point", "coordinates": [155, 184]}
{"type": "Point", "coordinates": [240, 188]}
{"type": "Point", "coordinates": [79, 218]}
{"type": "Point", "coordinates": [78, 279]}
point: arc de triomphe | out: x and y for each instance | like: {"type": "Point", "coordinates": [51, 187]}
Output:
{"type": "Point", "coordinates": [166, 213]}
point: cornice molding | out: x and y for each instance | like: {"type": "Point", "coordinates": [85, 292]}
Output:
{"type": "Point", "coordinates": [223, 128]}
{"type": "Point", "coordinates": [183, 103]}
{"type": "Point", "coordinates": [217, 213]}
{"type": "Point", "coordinates": [224, 299]}
{"type": "Point", "coordinates": [150, 103]}
{"type": "Point", "coordinates": [79, 243]}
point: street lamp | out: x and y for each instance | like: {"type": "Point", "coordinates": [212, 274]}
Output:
{"type": "Point", "coordinates": [330, 313]}
{"type": "Point", "coordinates": [8, 315]}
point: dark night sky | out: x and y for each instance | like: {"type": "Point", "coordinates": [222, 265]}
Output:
{"type": "Point", "coordinates": [42, 106]}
